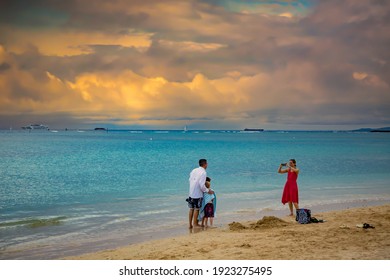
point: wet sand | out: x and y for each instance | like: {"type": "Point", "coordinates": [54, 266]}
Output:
{"type": "Point", "coordinates": [272, 238]}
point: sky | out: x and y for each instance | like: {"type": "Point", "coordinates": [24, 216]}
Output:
{"type": "Point", "coordinates": [151, 64]}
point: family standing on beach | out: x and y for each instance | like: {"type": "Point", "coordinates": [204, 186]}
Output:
{"type": "Point", "coordinates": [197, 192]}
{"type": "Point", "coordinates": [202, 199]}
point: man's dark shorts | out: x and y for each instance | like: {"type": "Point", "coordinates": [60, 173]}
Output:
{"type": "Point", "coordinates": [194, 203]}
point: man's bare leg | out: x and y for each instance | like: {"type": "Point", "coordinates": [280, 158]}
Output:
{"type": "Point", "coordinates": [190, 217]}
{"type": "Point", "coordinates": [195, 218]}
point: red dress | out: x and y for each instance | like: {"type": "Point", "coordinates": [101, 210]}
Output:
{"type": "Point", "coordinates": [290, 191]}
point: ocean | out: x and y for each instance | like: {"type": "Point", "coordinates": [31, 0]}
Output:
{"type": "Point", "coordinates": [64, 193]}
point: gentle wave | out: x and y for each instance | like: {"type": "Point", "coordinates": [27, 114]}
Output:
{"type": "Point", "coordinates": [34, 223]}
{"type": "Point", "coordinates": [146, 213]}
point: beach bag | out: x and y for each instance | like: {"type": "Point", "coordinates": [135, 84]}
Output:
{"type": "Point", "coordinates": [303, 216]}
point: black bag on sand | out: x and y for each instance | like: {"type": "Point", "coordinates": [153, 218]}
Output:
{"type": "Point", "coordinates": [303, 216]}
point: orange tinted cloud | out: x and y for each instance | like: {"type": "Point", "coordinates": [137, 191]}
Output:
{"type": "Point", "coordinates": [371, 80]}
{"type": "Point", "coordinates": [174, 62]}
{"type": "Point", "coordinates": [58, 43]}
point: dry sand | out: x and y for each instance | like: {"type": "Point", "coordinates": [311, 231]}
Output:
{"type": "Point", "coordinates": [272, 238]}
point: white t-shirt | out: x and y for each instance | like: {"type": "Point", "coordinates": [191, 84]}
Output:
{"type": "Point", "coordinates": [197, 182]}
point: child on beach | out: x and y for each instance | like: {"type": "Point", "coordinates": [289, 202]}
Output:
{"type": "Point", "coordinates": [209, 205]}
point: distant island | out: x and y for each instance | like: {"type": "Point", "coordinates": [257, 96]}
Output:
{"type": "Point", "coordinates": [100, 128]}
{"type": "Point", "coordinates": [382, 129]}
{"type": "Point", "coordinates": [253, 129]}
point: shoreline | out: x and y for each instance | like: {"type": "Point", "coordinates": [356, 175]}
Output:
{"type": "Point", "coordinates": [275, 238]}
{"type": "Point", "coordinates": [77, 246]}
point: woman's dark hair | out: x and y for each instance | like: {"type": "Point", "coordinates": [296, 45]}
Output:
{"type": "Point", "coordinates": [293, 160]}
{"type": "Point", "coordinates": [208, 179]}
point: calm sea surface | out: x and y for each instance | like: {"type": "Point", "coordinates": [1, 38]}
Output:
{"type": "Point", "coordinates": [69, 192]}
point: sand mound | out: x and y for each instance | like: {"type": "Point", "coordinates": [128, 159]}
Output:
{"type": "Point", "coordinates": [269, 222]}
{"type": "Point", "coordinates": [236, 226]}
{"type": "Point", "coordinates": [265, 222]}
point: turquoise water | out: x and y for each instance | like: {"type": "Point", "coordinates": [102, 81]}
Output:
{"type": "Point", "coordinates": [70, 192]}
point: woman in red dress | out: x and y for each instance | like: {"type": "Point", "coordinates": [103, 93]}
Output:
{"type": "Point", "coordinates": [290, 191]}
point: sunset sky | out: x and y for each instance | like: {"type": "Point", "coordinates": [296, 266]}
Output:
{"type": "Point", "coordinates": [205, 64]}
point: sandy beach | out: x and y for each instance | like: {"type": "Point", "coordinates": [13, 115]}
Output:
{"type": "Point", "coordinates": [272, 238]}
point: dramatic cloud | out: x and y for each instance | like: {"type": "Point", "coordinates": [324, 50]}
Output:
{"type": "Point", "coordinates": [211, 64]}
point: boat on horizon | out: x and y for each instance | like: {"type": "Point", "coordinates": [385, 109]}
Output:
{"type": "Point", "coordinates": [36, 126]}
{"type": "Point", "coordinates": [253, 129]}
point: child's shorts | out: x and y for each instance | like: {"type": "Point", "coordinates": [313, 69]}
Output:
{"type": "Point", "coordinates": [209, 210]}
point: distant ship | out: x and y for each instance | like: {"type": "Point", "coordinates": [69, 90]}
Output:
{"type": "Point", "coordinates": [253, 129]}
{"type": "Point", "coordinates": [36, 126]}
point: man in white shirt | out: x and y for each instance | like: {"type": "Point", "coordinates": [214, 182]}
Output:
{"type": "Point", "coordinates": [197, 188]}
